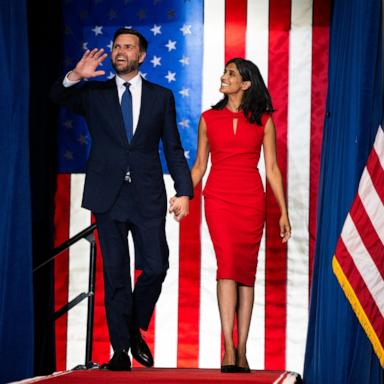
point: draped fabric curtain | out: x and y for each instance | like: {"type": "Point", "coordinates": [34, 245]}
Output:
{"type": "Point", "coordinates": [16, 309]}
{"type": "Point", "coordinates": [338, 350]}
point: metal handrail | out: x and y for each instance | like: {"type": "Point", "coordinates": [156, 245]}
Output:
{"type": "Point", "coordinates": [87, 234]}
{"type": "Point", "coordinates": [62, 247]}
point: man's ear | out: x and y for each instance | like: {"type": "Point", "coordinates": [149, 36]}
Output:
{"type": "Point", "coordinates": [245, 85]}
{"type": "Point", "coordinates": [142, 57]}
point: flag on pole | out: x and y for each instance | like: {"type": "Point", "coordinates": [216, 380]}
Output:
{"type": "Point", "coordinates": [358, 262]}
{"type": "Point", "coordinates": [189, 42]}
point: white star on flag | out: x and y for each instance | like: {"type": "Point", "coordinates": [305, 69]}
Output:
{"type": "Point", "coordinates": [112, 14]}
{"type": "Point", "coordinates": [144, 75]}
{"type": "Point", "coordinates": [184, 92]}
{"type": "Point", "coordinates": [170, 76]}
{"type": "Point", "coordinates": [156, 30]}
{"type": "Point", "coordinates": [184, 60]}
{"type": "Point", "coordinates": [171, 45]}
{"type": "Point", "coordinates": [156, 61]}
{"type": "Point", "coordinates": [186, 154]}
{"type": "Point", "coordinates": [186, 29]}
{"type": "Point", "coordinates": [68, 155]}
{"type": "Point", "coordinates": [111, 75]}
{"type": "Point", "coordinates": [82, 139]}
{"type": "Point", "coordinates": [184, 123]}
{"type": "Point", "coordinates": [98, 30]}
{"type": "Point", "coordinates": [85, 45]}
{"type": "Point", "coordinates": [110, 45]}
{"type": "Point", "coordinates": [68, 124]}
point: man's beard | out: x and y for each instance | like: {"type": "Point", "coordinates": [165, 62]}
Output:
{"type": "Point", "coordinates": [129, 67]}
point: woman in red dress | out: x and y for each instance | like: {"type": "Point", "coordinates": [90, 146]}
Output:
{"type": "Point", "coordinates": [233, 132]}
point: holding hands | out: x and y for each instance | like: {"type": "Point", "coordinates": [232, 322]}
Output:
{"type": "Point", "coordinates": [87, 66]}
{"type": "Point", "coordinates": [179, 206]}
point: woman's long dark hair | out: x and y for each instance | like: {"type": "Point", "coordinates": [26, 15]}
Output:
{"type": "Point", "coordinates": [256, 99]}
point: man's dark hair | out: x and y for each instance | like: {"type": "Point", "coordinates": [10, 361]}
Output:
{"type": "Point", "coordinates": [143, 43]}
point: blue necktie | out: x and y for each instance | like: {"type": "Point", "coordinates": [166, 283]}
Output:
{"type": "Point", "coordinates": [126, 108]}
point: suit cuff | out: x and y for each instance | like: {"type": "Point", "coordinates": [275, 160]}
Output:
{"type": "Point", "coordinates": [181, 195]}
{"type": "Point", "coordinates": [68, 83]}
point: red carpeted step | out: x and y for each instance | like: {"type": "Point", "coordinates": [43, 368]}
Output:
{"type": "Point", "coordinates": [168, 376]}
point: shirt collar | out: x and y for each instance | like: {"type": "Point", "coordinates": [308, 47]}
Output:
{"type": "Point", "coordinates": [135, 81]}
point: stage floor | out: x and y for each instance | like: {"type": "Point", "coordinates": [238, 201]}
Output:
{"type": "Point", "coordinates": [167, 376]}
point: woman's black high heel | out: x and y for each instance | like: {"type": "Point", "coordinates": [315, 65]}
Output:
{"type": "Point", "coordinates": [228, 368]}
{"type": "Point", "coordinates": [243, 369]}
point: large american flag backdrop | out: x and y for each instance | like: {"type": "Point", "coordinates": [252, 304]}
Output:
{"type": "Point", "coordinates": [190, 40]}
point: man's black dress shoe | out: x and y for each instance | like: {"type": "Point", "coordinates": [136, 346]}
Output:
{"type": "Point", "coordinates": [120, 362]}
{"type": "Point", "coordinates": [228, 368]}
{"type": "Point", "coordinates": [140, 350]}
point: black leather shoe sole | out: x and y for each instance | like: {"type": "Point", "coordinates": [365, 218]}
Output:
{"type": "Point", "coordinates": [109, 367]}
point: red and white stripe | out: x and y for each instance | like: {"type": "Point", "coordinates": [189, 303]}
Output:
{"type": "Point", "coordinates": [288, 40]}
{"type": "Point", "coordinates": [358, 262]}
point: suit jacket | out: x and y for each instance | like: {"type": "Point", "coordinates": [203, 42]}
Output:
{"type": "Point", "coordinates": [111, 155]}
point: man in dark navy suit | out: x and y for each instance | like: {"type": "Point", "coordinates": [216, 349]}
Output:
{"type": "Point", "coordinates": [127, 117]}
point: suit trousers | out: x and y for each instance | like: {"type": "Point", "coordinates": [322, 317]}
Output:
{"type": "Point", "coordinates": [128, 308]}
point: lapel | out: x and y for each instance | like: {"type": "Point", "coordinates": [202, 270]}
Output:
{"type": "Point", "coordinates": [147, 99]}
{"type": "Point", "coordinates": [112, 104]}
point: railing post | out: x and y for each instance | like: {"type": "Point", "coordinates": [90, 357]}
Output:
{"type": "Point", "coordinates": [91, 301]}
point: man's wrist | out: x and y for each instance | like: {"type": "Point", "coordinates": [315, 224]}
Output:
{"type": "Point", "coordinates": [74, 76]}
{"type": "Point", "coordinates": [67, 82]}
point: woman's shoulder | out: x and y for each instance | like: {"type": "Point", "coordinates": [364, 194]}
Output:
{"type": "Point", "coordinates": [209, 113]}
{"type": "Point", "coordinates": [265, 117]}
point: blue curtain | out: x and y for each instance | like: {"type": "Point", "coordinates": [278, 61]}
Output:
{"type": "Point", "coordinates": [338, 350]}
{"type": "Point", "coordinates": [16, 305]}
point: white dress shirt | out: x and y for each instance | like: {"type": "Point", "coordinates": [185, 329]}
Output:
{"type": "Point", "coordinates": [135, 88]}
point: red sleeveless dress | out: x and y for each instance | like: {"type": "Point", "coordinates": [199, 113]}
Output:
{"type": "Point", "coordinates": [234, 197]}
